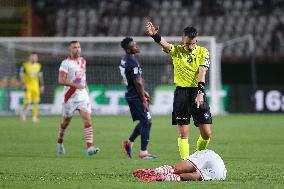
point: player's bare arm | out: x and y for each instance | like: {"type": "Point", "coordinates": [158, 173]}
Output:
{"type": "Point", "coordinates": [23, 83]}
{"type": "Point", "coordinates": [153, 32]}
{"type": "Point", "coordinates": [62, 80]}
{"type": "Point", "coordinates": [199, 100]}
{"type": "Point", "coordinates": [201, 73]}
{"type": "Point", "coordinates": [138, 81]}
{"type": "Point", "coordinates": [41, 83]}
{"type": "Point", "coordinates": [147, 96]}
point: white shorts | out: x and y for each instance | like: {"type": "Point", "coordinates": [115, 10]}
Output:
{"type": "Point", "coordinates": [69, 108]}
{"type": "Point", "coordinates": [208, 164]}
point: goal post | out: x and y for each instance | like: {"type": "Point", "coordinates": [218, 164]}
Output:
{"type": "Point", "coordinates": [103, 57]}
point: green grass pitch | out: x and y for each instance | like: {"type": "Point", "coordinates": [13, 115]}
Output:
{"type": "Point", "coordinates": [252, 147]}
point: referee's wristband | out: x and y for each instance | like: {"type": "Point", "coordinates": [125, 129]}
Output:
{"type": "Point", "coordinates": [201, 87]}
{"type": "Point", "coordinates": [157, 38]}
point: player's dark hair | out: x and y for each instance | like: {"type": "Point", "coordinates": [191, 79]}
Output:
{"type": "Point", "coordinates": [72, 42]}
{"type": "Point", "coordinates": [190, 32]}
{"type": "Point", "coordinates": [125, 42]}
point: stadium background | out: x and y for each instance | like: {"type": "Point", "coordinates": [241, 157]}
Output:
{"type": "Point", "coordinates": [253, 80]}
{"type": "Point", "coordinates": [250, 143]}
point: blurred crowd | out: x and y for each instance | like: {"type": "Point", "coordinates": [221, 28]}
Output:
{"type": "Point", "coordinates": [225, 19]}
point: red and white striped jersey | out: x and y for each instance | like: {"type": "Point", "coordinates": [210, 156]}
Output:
{"type": "Point", "coordinates": [76, 73]}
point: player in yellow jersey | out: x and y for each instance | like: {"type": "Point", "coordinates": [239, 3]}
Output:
{"type": "Point", "coordinates": [32, 82]}
{"type": "Point", "coordinates": [191, 63]}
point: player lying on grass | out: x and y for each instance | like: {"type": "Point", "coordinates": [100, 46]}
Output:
{"type": "Point", "coordinates": [202, 165]}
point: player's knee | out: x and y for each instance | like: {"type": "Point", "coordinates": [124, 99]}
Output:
{"type": "Point", "coordinates": [87, 120]}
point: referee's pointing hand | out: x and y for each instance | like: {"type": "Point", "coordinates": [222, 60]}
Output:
{"type": "Point", "coordinates": [199, 100]}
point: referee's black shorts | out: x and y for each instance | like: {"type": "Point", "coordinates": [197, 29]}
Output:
{"type": "Point", "coordinates": [184, 107]}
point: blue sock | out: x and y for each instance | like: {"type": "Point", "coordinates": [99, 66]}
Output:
{"type": "Point", "coordinates": [136, 132]}
{"type": "Point", "coordinates": [145, 135]}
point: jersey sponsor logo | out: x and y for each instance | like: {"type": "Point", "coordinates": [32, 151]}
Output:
{"type": "Point", "coordinates": [79, 74]}
{"type": "Point", "coordinates": [136, 70]}
{"type": "Point", "coordinates": [33, 74]}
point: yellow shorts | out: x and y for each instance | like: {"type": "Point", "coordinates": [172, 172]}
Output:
{"type": "Point", "coordinates": [32, 95]}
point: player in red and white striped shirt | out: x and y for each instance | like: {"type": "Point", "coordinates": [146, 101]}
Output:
{"type": "Point", "coordinates": [72, 74]}
{"type": "Point", "coordinates": [203, 165]}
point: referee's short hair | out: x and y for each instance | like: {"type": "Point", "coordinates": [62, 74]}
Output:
{"type": "Point", "coordinates": [125, 42]}
{"type": "Point", "coordinates": [190, 32]}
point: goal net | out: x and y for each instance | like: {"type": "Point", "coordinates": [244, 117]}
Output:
{"type": "Point", "coordinates": [105, 83]}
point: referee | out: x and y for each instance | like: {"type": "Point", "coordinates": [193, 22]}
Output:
{"type": "Point", "coordinates": [191, 63]}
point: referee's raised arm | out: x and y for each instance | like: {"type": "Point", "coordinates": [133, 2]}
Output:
{"type": "Point", "coordinates": [153, 32]}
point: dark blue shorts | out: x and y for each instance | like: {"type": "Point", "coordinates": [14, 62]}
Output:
{"type": "Point", "coordinates": [137, 110]}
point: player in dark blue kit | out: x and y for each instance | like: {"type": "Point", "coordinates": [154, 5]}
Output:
{"type": "Point", "coordinates": [137, 99]}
